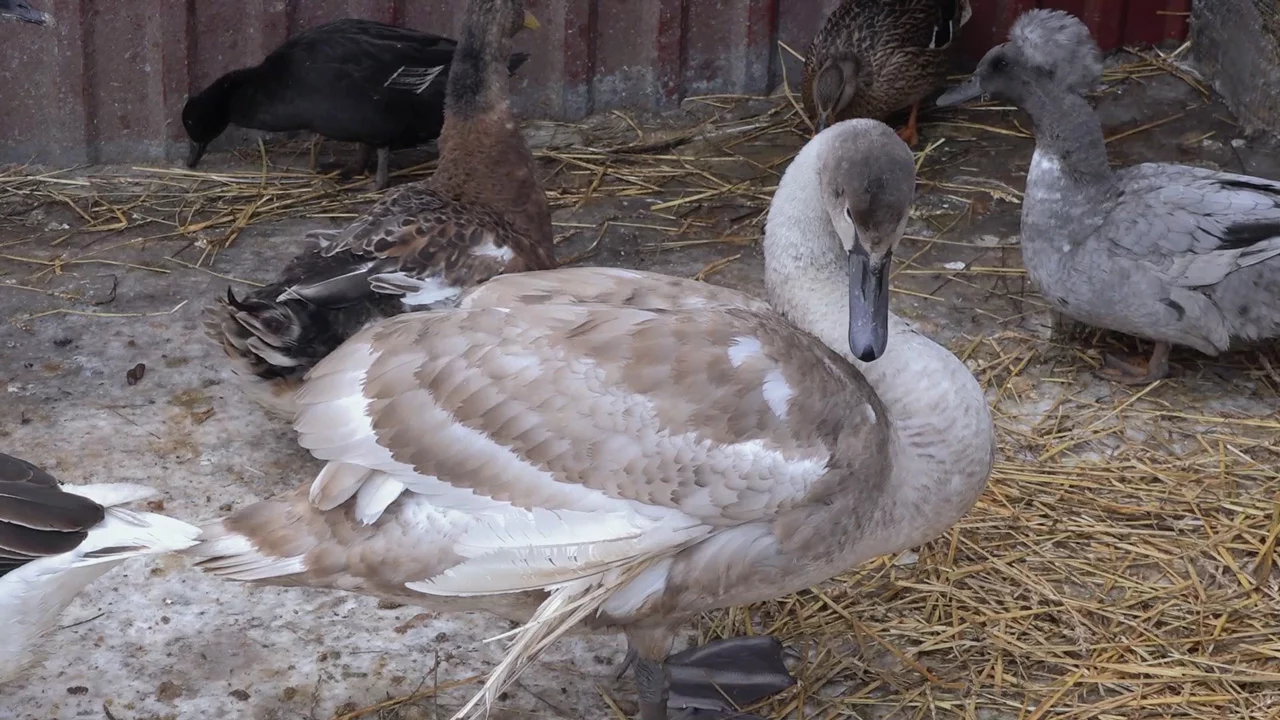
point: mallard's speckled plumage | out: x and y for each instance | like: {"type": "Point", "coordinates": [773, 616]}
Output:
{"type": "Point", "coordinates": [875, 57]}
{"type": "Point", "coordinates": [482, 213]}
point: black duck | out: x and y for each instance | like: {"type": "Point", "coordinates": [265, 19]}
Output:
{"type": "Point", "coordinates": [350, 80]}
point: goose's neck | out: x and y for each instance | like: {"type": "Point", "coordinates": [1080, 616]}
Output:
{"type": "Point", "coordinates": [1067, 127]}
{"type": "Point", "coordinates": [1069, 177]}
{"type": "Point", "coordinates": [942, 437]}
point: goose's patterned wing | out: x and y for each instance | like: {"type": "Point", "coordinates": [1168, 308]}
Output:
{"type": "Point", "coordinates": [425, 247]}
{"type": "Point", "coordinates": [564, 440]}
{"type": "Point", "coordinates": [1195, 225]}
{"type": "Point", "coordinates": [37, 518]}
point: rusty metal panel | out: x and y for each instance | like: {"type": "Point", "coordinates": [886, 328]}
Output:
{"type": "Point", "coordinates": [108, 81]}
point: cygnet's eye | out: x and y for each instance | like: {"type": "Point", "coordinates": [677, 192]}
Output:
{"type": "Point", "coordinates": [848, 214]}
{"type": "Point", "coordinates": [999, 63]}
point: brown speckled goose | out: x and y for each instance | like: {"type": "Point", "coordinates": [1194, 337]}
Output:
{"type": "Point", "coordinates": [614, 449]}
{"type": "Point", "coordinates": [55, 540]}
{"type": "Point", "coordinates": [482, 213]}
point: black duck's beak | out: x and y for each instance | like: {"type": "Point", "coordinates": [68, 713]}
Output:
{"type": "Point", "coordinates": [195, 153]}
{"type": "Point", "coordinates": [531, 22]}
{"type": "Point", "coordinates": [24, 12]}
{"type": "Point", "coordinates": [868, 303]}
{"type": "Point", "coordinates": [964, 92]}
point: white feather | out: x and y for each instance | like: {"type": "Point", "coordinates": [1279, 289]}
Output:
{"type": "Point", "coordinates": [650, 583]}
{"type": "Point", "coordinates": [743, 348]}
{"type": "Point", "coordinates": [417, 291]}
{"type": "Point", "coordinates": [416, 79]}
{"type": "Point", "coordinates": [374, 496]}
{"type": "Point", "coordinates": [33, 596]}
{"type": "Point", "coordinates": [493, 250]}
{"type": "Point", "coordinates": [777, 393]}
{"type": "Point", "coordinates": [234, 556]}
{"type": "Point", "coordinates": [515, 566]}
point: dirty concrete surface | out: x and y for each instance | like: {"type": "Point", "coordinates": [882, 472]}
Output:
{"type": "Point", "coordinates": [157, 640]}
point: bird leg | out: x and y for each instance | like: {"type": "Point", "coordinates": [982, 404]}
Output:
{"type": "Point", "coordinates": [353, 168]}
{"type": "Point", "coordinates": [315, 152]}
{"type": "Point", "coordinates": [646, 647]}
{"type": "Point", "coordinates": [383, 176]}
{"type": "Point", "coordinates": [361, 163]}
{"type": "Point", "coordinates": [651, 688]}
{"type": "Point", "coordinates": [715, 679]}
{"type": "Point", "coordinates": [1062, 329]}
{"type": "Point", "coordinates": [1132, 373]}
{"type": "Point", "coordinates": [908, 133]}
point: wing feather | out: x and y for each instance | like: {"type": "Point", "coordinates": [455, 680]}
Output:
{"type": "Point", "coordinates": [607, 286]}
{"type": "Point", "coordinates": [558, 409]}
{"type": "Point", "coordinates": [1194, 224]}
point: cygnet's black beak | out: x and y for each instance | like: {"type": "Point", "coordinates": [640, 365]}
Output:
{"type": "Point", "coordinates": [20, 10]}
{"type": "Point", "coordinates": [868, 303]}
{"type": "Point", "coordinates": [962, 93]}
{"type": "Point", "coordinates": [195, 153]}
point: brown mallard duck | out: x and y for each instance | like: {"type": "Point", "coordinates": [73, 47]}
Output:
{"type": "Point", "coordinates": [482, 213]}
{"type": "Point", "coordinates": [873, 58]}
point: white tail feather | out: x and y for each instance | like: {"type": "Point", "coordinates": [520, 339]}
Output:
{"type": "Point", "coordinates": [234, 556]}
{"type": "Point", "coordinates": [35, 594]}
{"type": "Point", "coordinates": [112, 494]}
{"type": "Point", "coordinates": [567, 605]}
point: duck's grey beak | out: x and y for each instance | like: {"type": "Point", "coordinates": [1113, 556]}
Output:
{"type": "Point", "coordinates": [820, 124]}
{"type": "Point", "coordinates": [964, 92]}
{"type": "Point", "coordinates": [868, 303]}
{"type": "Point", "coordinates": [26, 13]}
{"type": "Point", "coordinates": [195, 153]}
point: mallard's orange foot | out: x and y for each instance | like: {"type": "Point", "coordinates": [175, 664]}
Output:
{"type": "Point", "coordinates": [909, 135]}
{"type": "Point", "coordinates": [1137, 371]}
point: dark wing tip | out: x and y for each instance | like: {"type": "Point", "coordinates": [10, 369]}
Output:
{"type": "Point", "coordinates": [37, 517]}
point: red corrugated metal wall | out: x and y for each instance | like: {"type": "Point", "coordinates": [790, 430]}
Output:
{"type": "Point", "coordinates": [1114, 23]}
{"type": "Point", "coordinates": [107, 82]}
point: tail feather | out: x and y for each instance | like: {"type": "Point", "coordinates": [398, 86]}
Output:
{"type": "Point", "coordinates": [273, 336]}
{"type": "Point", "coordinates": [565, 607]}
{"type": "Point", "coordinates": [263, 541]}
{"type": "Point", "coordinates": [34, 594]}
{"type": "Point", "coordinates": [112, 494]}
{"type": "Point", "coordinates": [234, 557]}
{"type": "Point", "coordinates": [125, 533]}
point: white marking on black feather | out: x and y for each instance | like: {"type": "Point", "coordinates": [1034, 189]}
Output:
{"type": "Point", "coordinates": [416, 79]}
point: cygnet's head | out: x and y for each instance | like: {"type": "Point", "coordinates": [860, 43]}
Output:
{"type": "Point", "coordinates": [1046, 48]}
{"type": "Point", "coordinates": [867, 180]}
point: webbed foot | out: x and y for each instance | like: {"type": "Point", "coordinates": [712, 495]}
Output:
{"type": "Point", "coordinates": [710, 682]}
{"type": "Point", "coordinates": [1128, 372]}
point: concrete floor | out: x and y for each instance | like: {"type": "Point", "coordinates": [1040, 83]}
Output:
{"type": "Point", "coordinates": [158, 641]}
